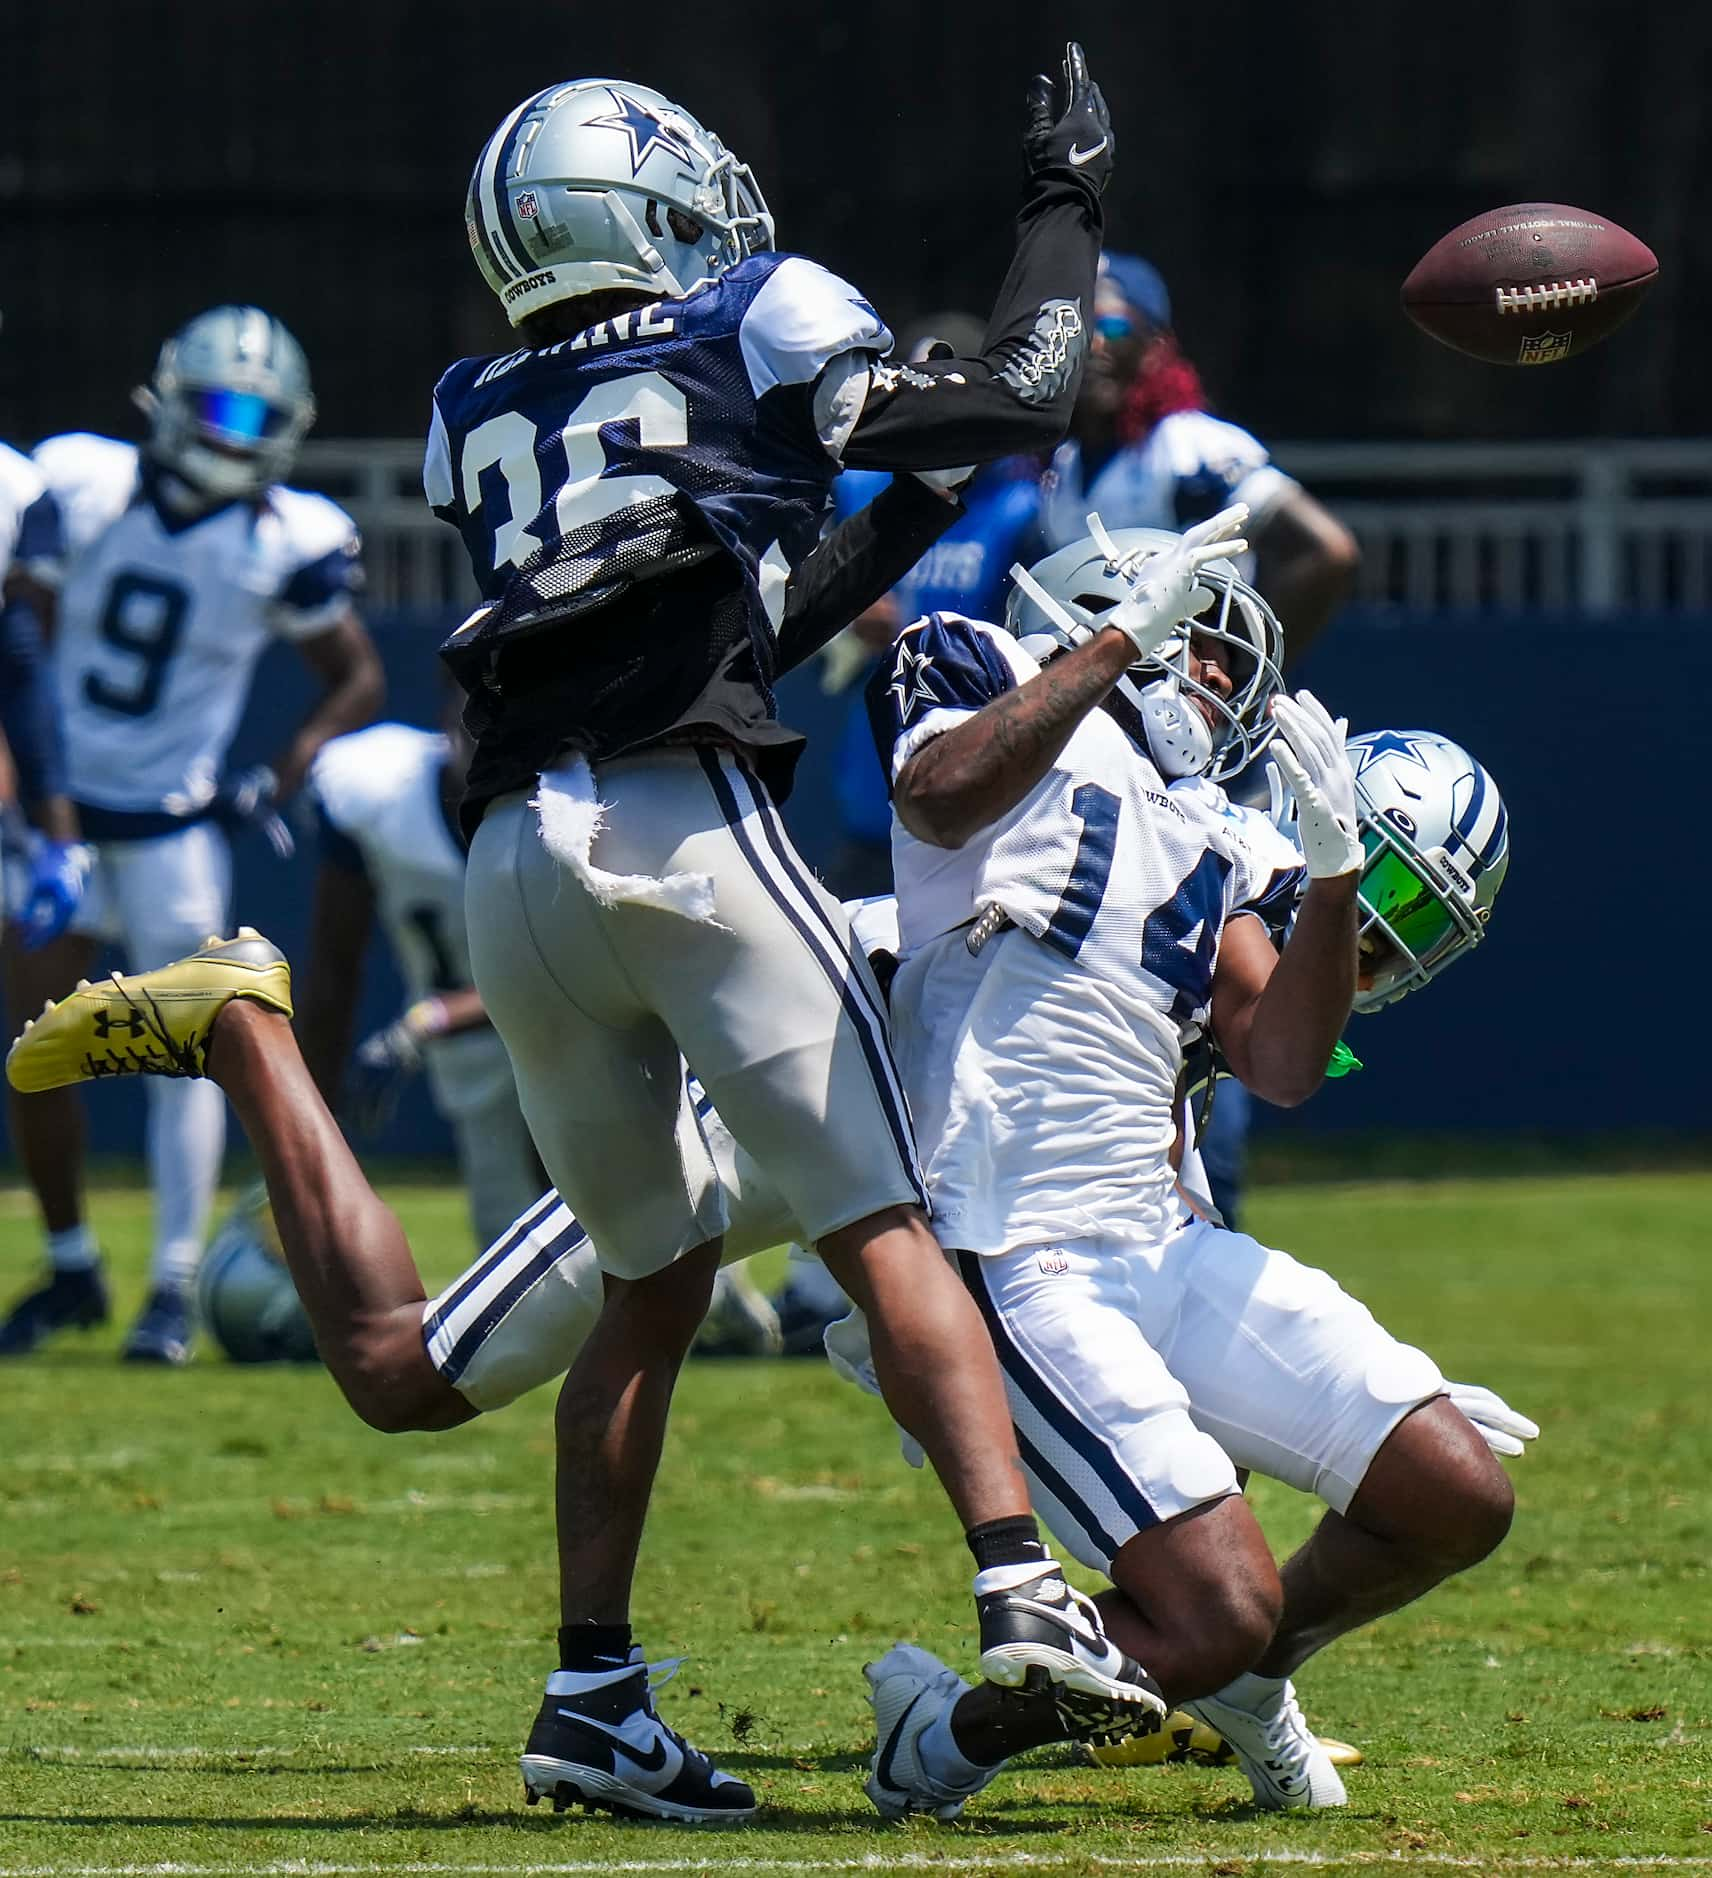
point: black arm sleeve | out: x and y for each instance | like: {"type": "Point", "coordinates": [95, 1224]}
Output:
{"type": "Point", "coordinates": [863, 558]}
{"type": "Point", "coordinates": [1016, 396]}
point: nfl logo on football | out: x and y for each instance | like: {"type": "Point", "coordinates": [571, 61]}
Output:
{"type": "Point", "coordinates": [1545, 348]}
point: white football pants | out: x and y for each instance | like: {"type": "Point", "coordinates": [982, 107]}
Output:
{"type": "Point", "coordinates": [160, 899]}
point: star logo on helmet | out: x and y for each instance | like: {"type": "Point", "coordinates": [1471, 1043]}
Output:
{"type": "Point", "coordinates": [909, 684]}
{"type": "Point", "coordinates": [1388, 743]}
{"type": "Point", "coordinates": [646, 130]}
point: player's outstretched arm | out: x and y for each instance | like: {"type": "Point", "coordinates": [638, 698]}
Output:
{"type": "Point", "coordinates": [859, 563]}
{"type": "Point", "coordinates": [964, 779]}
{"type": "Point", "coordinates": [352, 687]}
{"type": "Point", "coordinates": [1278, 1017]}
{"type": "Point", "coordinates": [1016, 394]}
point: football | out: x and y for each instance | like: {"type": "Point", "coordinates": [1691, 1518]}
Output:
{"type": "Point", "coordinates": [1530, 284]}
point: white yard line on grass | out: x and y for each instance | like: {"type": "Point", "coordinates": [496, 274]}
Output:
{"type": "Point", "coordinates": [872, 1862]}
{"type": "Point", "coordinates": [289, 1506]}
{"type": "Point", "coordinates": [130, 1756]}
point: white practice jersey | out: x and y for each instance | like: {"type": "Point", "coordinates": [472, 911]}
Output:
{"type": "Point", "coordinates": [1188, 467]}
{"type": "Point", "coordinates": [30, 533]}
{"type": "Point", "coordinates": [383, 815]}
{"type": "Point", "coordinates": [161, 622]}
{"type": "Point", "coordinates": [1123, 884]}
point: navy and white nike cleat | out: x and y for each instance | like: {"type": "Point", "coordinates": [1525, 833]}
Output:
{"type": "Point", "coordinates": [1041, 1635]}
{"type": "Point", "coordinates": [910, 1689]}
{"type": "Point", "coordinates": [597, 1742]}
{"type": "Point", "coordinates": [70, 1300]}
{"type": "Point", "coordinates": [163, 1332]}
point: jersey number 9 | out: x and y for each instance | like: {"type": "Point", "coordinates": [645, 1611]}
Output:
{"type": "Point", "coordinates": [143, 618]}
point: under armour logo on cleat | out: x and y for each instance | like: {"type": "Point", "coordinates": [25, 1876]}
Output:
{"type": "Point", "coordinates": [131, 1021]}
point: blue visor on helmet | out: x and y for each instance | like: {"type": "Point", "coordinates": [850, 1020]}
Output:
{"type": "Point", "coordinates": [239, 417]}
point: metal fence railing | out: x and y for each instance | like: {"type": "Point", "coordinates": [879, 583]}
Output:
{"type": "Point", "coordinates": [1579, 527]}
{"type": "Point", "coordinates": [1572, 527]}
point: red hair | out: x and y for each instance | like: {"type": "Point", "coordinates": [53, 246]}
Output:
{"type": "Point", "coordinates": [1168, 383]}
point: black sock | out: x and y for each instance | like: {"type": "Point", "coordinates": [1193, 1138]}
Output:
{"type": "Point", "coordinates": [586, 1648]}
{"type": "Point", "coordinates": [1013, 1541]}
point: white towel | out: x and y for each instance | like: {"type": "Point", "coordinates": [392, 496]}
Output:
{"type": "Point", "coordinates": [570, 815]}
{"type": "Point", "coordinates": [851, 1355]}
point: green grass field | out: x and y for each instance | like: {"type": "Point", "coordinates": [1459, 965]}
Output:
{"type": "Point", "coordinates": [241, 1633]}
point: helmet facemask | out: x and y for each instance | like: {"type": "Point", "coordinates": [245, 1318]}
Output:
{"type": "Point", "coordinates": [1418, 910]}
{"type": "Point", "coordinates": [1155, 700]}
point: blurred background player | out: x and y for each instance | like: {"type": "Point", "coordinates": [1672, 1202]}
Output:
{"type": "Point", "coordinates": [1145, 451]}
{"type": "Point", "coordinates": [390, 851]}
{"type": "Point", "coordinates": [182, 561]}
{"type": "Point", "coordinates": [43, 861]}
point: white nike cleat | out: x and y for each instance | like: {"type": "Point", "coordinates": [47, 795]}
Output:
{"type": "Point", "coordinates": [1040, 1634]}
{"type": "Point", "coordinates": [1287, 1768]}
{"type": "Point", "coordinates": [910, 1689]}
{"type": "Point", "coordinates": [598, 1742]}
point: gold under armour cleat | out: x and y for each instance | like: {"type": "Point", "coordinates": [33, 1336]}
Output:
{"type": "Point", "coordinates": [1181, 1738]}
{"type": "Point", "coordinates": [148, 1023]}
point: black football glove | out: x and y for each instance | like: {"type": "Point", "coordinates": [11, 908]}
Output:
{"type": "Point", "coordinates": [1073, 135]}
{"type": "Point", "coordinates": [245, 800]}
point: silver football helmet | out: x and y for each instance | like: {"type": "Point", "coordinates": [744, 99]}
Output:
{"type": "Point", "coordinates": [1437, 837]}
{"type": "Point", "coordinates": [1057, 604]}
{"type": "Point", "coordinates": [244, 1294]}
{"type": "Point", "coordinates": [596, 184]}
{"type": "Point", "coordinates": [229, 402]}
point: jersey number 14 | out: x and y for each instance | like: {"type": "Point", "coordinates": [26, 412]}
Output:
{"type": "Point", "coordinates": [1193, 908]}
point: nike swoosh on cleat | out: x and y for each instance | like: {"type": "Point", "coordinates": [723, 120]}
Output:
{"type": "Point", "coordinates": [1079, 157]}
{"type": "Point", "coordinates": [650, 1762]}
{"type": "Point", "coordinates": [883, 1767]}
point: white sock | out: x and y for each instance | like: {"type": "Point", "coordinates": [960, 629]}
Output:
{"type": "Point", "coordinates": [73, 1250]}
{"type": "Point", "coordinates": [187, 1132]}
{"type": "Point", "coordinates": [1252, 1692]}
{"type": "Point", "coordinates": [941, 1758]}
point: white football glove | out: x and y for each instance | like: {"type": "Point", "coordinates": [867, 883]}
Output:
{"type": "Point", "coordinates": [1309, 752]}
{"type": "Point", "coordinates": [1164, 592]}
{"type": "Point", "coordinates": [1499, 1426]}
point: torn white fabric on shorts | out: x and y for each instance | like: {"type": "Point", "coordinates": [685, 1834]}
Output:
{"type": "Point", "coordinates": [570, 815]}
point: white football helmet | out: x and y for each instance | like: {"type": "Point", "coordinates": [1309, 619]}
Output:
{"type": "Point", "coordinates": [596, 184]}
{"type": "Point", "coordinates": [1437, 837]}
{"type": "Point", "coordinates": [229, 402]}
{"type": "Point", "coordinates": [244, 1294]}
{"type": "Point", "coordinates": [1057, 603]}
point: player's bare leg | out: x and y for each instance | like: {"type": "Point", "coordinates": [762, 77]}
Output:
{"type": "Point", "coordinates": [934, 1359]}
{"type": "Point", "coordinates": [48, 1127]}
{"type": "Point", "coordinates": [48, 1133]}
{"type": "Point", "coordinates": [1433, 1502]}
{"type": "Point", "coordinates": [1195, 1598]}
{"type": "Point", "coordinates": [610, 1426]}
{"type": "Point", "coordinates": [346, 1251]}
